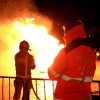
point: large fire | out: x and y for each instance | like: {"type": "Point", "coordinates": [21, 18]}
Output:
{"type": "Point", "coordinates": [44, 46]}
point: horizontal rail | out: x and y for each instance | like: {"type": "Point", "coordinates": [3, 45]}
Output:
{"type": "Point", "coordinates": [44, 80]}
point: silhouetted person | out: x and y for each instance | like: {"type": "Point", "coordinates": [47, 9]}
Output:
{"type": "Point", "coordinates": [24, 62]}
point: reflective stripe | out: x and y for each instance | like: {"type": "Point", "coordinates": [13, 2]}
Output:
{"type": "Point", "coordinates": [20, 60]}
{"type": "Point", "coordinates": [67, 78]}
{"type": "Point", "coordinates": [26, 67]}
{"type": "Point", "coordinates": [54, 73]}
{"type": "Point", "coordinates": [84, 57]}
{"type": "Point", "coordinates": [57, 99]}
{"type": "Point", "coordinates": [32, 64]}
{"type": "Point", "coordinates": [23, 76]}
{"type": "Point", "coordinates": [85, 79]}
{"type": "Point", "coordinates": [84, 98]}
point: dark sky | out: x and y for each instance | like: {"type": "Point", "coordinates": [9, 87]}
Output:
{"type": "Point", "coordinates": [63, 11]}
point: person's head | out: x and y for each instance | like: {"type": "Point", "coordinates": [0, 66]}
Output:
{"type": "Point", "coordinates": [73, 30]}
{"type": "Point", "coordinates": [24, 46]}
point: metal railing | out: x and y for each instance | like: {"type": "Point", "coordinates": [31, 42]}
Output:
{"type": "Point", "coordinates": [36, 82]}
{"type": "Point", "coordinates": [42, 80]}
{"type": "Point", "coordinates": [7, 80]}
{"type": "Point", "coordinates": [95, 92]}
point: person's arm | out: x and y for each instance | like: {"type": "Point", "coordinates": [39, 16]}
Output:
{"type": "Point", "coordinates": [32, 62]}
{"type": "Point", "coordinates": [59, 65]}
{"type": "Point", "coordinates": [15, 61]}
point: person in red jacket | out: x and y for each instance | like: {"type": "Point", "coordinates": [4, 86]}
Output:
{"type": "Point", "coordinates": [74, 66]}
{"type": "Point", "coordinates": [24, 63]}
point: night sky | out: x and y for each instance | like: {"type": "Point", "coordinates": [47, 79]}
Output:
{"type": "Point", "coordinates": [63, 11]}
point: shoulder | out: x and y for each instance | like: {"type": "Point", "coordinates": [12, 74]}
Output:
{"type": "Point", "coordinates": [17, 54]}
{"type": "Point", "coordinates": [31, 56]}
{"type": "Point", "coordinates": [61, 53]}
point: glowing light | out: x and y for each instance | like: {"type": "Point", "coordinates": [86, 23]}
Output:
{"type": "Point", "coordinates": [97, 54]}
{"type": "Point", "coordinates": [32, 19]}
{"type": "Point", "coordinates": [27, 20]}
{"type": "Point", "coordinates": [44, 46]}
{"type": "Point", "coordinates": [15, 23]}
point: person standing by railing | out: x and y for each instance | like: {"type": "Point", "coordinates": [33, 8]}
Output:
{"type": "Point", "coordinates": [24, 63]}
{"type": "Point", "coordinates": [74, 66]}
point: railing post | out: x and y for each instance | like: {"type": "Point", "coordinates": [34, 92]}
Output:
{"type": "Point", "coordinates": [53, 87]}
{"type": "Point", "coordinates": [9, 88]}
{"type": "Point", "coordinates": [2, 88]}
{"type": "Point", "coordinates": [44, 90]}
{"type": "Point", "coordinates": [23, 89]}
{"type": "Point", "coordinates": [99, 90]}
{"type": "Point", "coordinates": [36, 87]}
{"type": "Point", "coordinates": [35, 92]}
{"type": "Point", "coordinates": [28, 89]}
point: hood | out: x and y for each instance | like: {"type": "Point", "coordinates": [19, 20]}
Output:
{"type": "Point", "coordinates": [74, 33]}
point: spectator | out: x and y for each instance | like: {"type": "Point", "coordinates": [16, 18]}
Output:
{"type": "Point", "coordinates": [74, 66]}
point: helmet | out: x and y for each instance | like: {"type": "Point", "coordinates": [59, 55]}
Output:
{"type": "Point", "coordinates": [24, 44]}
{"type": "Point", "coordinates": [70, 25]}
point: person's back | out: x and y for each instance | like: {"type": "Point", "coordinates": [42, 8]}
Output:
{"type": "Point", "coordinates": [80, 69]}
{"type": "Point", "coordinates": [23, 70]}
{"type": "Point", "coordinates": [74, 70]}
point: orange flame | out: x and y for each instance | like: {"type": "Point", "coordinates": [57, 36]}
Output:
{"type": "Point", "coordinates": [44, 46]}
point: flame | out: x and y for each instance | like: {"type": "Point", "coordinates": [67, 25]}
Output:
{"type": "Point", "coordinates": [44, 46]}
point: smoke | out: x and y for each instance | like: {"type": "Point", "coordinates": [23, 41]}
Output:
{"type": "Point", "coordinates": [10, 11]}
{"type": "Point", "coordinates": [13, 8]}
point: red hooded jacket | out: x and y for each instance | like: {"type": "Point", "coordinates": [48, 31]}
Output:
{"type": "Point", "coordinates": [74, 70]}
